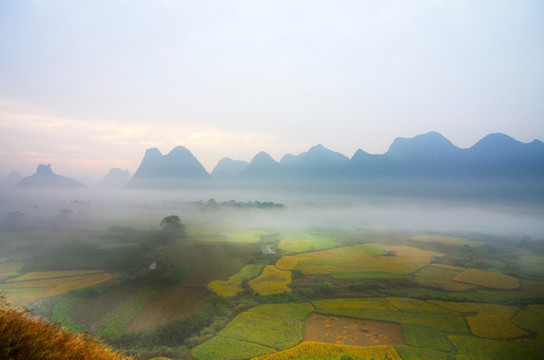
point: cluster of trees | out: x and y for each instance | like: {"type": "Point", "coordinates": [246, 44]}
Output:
{"type": "Point", "coordinates": [211, 203]}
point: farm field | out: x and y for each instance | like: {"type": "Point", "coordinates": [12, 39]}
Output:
{"type": "Point", "coordinates": [245, 292]}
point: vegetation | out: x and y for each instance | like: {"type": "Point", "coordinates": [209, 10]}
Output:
{"type": "Point", "coordinates": [271, 281]}
{"type": "Point", "coordinates": [316, 351]}
{"type": "Point", "coordinates": [233, 285]}
{"type": "Point", "coordinates": [27, 337]}
{"type": "Point", "coordinates": [488, 279]}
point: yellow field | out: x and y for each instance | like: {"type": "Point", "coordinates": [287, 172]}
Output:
{"type": "Point", "coordinates": [359, 258]}
{"type": "Point", "coordinates": [32, 286]}
{"type": "Point", "coordinates": [316, 350]}
{"type": "Point", "coordinates": [232, 286]}
{"type": "Point", "coordinates": [531, 319]}
{"type": "Point", "coordinates": [9, 269]}
{"type": "Point", "coordinates": [488, 279]}
{"type": "Point", "coordinates": [304, 244]}
{"type": "Point", "coordinates": [53, 275]}
{"type": "Point", "coordinates": [442, 239]}
{"type": "Point", "coordinates": [442, 278]}
{"type": "Point", "coordinates": [417, 306]}
{"type": "Point", "coordinates": [448, 267]}
{"type": "Point", "coordinates": [374, 304]}
{"type": "Point", "coordinates": [271, 281]}
{"type": "Point", "coordinates": [491, 321]}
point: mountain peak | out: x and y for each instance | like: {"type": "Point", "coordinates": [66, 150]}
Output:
{"type": "Point", "coordinates": [44, 170]}
{"type": "Point", "coordinates": [431, 145]}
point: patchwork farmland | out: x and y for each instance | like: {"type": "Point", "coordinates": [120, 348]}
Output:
{"type": "Point", "coordinates": [226, 292]}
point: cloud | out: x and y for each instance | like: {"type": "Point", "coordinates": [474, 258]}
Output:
{"type": "Point", "coordinates": [80, 147]}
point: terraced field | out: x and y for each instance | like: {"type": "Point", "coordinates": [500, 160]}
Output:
{"type": "Point", "coordinates": [271, 281]}
{"type": "Point", "coordinates": [233, 285]}
{"type": "Point", "coordinates": [26, 288]}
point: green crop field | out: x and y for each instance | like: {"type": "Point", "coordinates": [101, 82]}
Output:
{"type": "Point", "coordinates": [232, 286]}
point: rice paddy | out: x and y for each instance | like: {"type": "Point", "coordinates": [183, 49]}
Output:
{"type": "Point", "coordinates": [233, 285]}
{"type": "Point", "coordinates": [271, 281]}
{"type": "Point", "coordinates": [488, 279]}
{"type": "Point", "coordinates": [310, 350]}
{"type": "Point", "coordinates": [269, 327]}
{"type": "Point", "coordinates": [292, 245]}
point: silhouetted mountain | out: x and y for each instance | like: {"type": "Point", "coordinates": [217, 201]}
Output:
{"type": "Point", "coordinates": [365, 164]}
{"type": "Point", "coordinates": [228, 168]}
{"type": "Point", "coordinates": [178, 168]}
{"type": "Point", "coordinates": [11, 180]}
{"type": "Point", "coordinates": [115, 178]}
{"type": "Point", "coordinates": [262, 165]}
{"type": "Point", "coordinates": [318, 161]}
{"type": "Point", "coordinates": [45, 178]}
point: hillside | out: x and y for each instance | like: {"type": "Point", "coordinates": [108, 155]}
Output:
{"type": "Point", "coordinates": [23, 336]}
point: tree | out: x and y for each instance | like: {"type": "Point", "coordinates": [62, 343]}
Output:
{"type": "Point", "coordinates": [172, 227]}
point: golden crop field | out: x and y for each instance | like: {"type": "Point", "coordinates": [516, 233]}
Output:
{"type": "Point", "coordinates": [31, 286]}
{"type": "Point", "coordinates": [360, 258]}
{"type": "Point", "coordinates": [232, 286]}
{"type": "Point", "coordinates": [271, 281]}
{"type": "Point", "coordinates": [441, 320]}
{"type": "Point", "coordinates": [474, 348]}
{"type": "Point", "coordinates": [419, 353]}
{"type": "Point", "coordinates": [317, 350]}
{"type": "Point", "coordinates": [491, 321]}
{"type": "Point", "coordinates": [303, 244]}
{"type": "Point", "coordinates": [356, 304]}
{"type": "Point", "coordinates": [448, 267]}
{"type": "Point", "coordinates": [418, 306]}
{"type": "Point", "coordinates": [442, 239]}
{"type": "Point", "coordinates": [531, 319]}
{"type": "Point", "coordinates": [41, 275]}
{"type": "Point", "coordinates": [275, 326]}
{"type": "Point", "coordinates": [289, 262]}
{"type": "Point", "coordinates": [442, 278]}
{"type": "Point", "coordinates": [488, 279]}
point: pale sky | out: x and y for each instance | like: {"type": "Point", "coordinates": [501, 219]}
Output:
{"type": "Point", "coordinates": [90, 85]}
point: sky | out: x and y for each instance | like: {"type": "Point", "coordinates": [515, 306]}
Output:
{"type": "Point", "coordinates": [90, 85]}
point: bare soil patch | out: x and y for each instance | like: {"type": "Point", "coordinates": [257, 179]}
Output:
{"type": "Point", "coordinates": [350, 331]}
{"type": "Point", "coordinates": [171, 304]}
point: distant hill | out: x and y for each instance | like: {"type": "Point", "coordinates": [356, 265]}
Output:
{"type": "Point", "coordinates": [45, 178]}
{"type": "Point", "coordinates": [422, 165]}
{"type": "Point", "coordinates": [228, 168]}
{"type": "Point", "coordinates": [178, 168]}
{"type": "Point", "coordinates": [115, 178]}
{"type": "Point", "coordinates": [11, 180]}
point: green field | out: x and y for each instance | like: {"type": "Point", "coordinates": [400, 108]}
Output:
{"type": "Point", "coordinates": [216, 294]}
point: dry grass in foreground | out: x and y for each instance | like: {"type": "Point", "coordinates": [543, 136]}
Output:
{"type": "Point", "coordinates": [23, 336]}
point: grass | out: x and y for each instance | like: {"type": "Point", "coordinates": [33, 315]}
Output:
{"type": "Point", "coordinates": [441, 320]}
{"type": "Point", "coordinates": [424, 337]}
{"type": "Point", "coordinates": [302, 244]}
{"type": "Point", "coordinates": [258, 331]}
{"type": "Point", "coordinates": [27, 337]}
{"type": "Point", "coordinates": [228, 349]}
{"type": "Point", "coordinates": [473, 348]}
{"type": "Point", "coordinates": [441, 278]}
{"type": "Point", "coordinates": [310, 350]}
{"type": "Point", "coordinates": [233, 285]}
{"type": "Point", "coordinates": [532, 265]}
{"type": "Point", "coordinates": [442, 239]}
{"type": "Point", "coordinates": [271, 281]}
{"type": "Point", "coordinates": [531, 319]}
{"type": "Point", "coordinates": [488, 279]}
{"type": "Point", "coordinates": [118, 319]}
{"type": "Point", "coordinates": [417, 353]}
{"type": "Point", "coordinates": [360, 258]}
{"type": "Point", "coordinates": [278, 326]}
{"type": "Point", "coordinates": [488, 320]}
{"type": "Point", "coordinates": [369, 275]}
{"type": "Point", "coordinates": [61, 312]}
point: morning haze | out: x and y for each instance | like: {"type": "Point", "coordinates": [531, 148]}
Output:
{"type": "Point", "coordinates": [271, 180]}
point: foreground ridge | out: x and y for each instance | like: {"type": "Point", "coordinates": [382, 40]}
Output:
{"type": "Point", "coordinates": [23, 336]}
